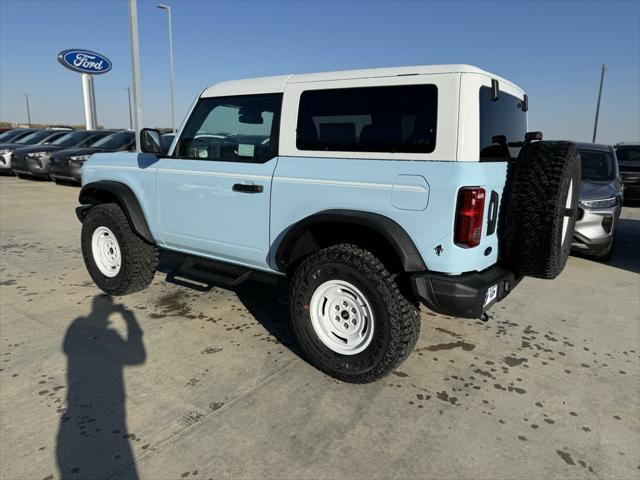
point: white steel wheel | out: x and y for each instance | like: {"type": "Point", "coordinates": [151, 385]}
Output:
{"type": "Point", "coordinates": [106, 252]}
{"type": "Point", "coordinates": [565, 220]}
{"type": "Point", "coordinates": [341, 317]}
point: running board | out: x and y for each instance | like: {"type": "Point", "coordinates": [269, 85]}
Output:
{"type": "Point", "coordinates": [203, 274]}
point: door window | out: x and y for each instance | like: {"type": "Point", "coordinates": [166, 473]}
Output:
{"type": "Point", "coordinates": [233, 129]}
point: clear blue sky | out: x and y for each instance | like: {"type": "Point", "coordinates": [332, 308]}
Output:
{"type": "Point", "coordinates": [553, 50]}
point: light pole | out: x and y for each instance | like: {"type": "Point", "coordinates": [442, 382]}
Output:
{"type": "Point", "coordinates": [168, 10]}
{"type": "Point", "coordinates": [26, 96]}
{"type": "Point", "coordinates": [135, 69]}
{"type": "Point", "coordinates": [595, 123]}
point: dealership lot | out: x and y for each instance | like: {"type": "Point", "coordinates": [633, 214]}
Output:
{"type": "Point", "coordinates": [178, 383]}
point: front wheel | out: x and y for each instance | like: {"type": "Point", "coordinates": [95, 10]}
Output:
{"type": "Point", "coordinates": [350, 316]}
{"type": "Point", "coordinates": [119, 261]}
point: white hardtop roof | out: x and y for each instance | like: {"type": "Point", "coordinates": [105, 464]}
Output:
{"type": "Point", "coordinates": [276, 84]}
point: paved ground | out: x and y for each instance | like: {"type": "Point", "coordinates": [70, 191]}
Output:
{"type": "Point", "coordinates": [173, 383]}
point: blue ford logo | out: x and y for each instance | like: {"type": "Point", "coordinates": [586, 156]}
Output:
{"type": "Point", "coordinates": [84, 61]}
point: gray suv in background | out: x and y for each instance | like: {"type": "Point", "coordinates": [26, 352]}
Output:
{"type": "Point", "coordinates": [601, 195]}
{"type": "Point", "coordinates": [628, 155]}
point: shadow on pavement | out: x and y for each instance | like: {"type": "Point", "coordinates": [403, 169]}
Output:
{"type": "Point", "coordinates": [93, 440]}
{"type": "Point", "coordinates": [267, 303]}
{"type": "Point", "coordinates": [626, 251]}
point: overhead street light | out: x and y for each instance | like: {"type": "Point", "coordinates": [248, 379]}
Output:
{"type": "Point", "coordinates": [168, 10]}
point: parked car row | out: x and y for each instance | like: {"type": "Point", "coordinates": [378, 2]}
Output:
{"type": "Point", "coordinates": [57, 154]}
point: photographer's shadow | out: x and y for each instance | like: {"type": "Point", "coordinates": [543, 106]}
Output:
{"type": "Point", "coordinates": [93, 440]}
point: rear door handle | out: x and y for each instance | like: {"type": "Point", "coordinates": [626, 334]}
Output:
{"type": "Point", "coordinates": [247, 188]}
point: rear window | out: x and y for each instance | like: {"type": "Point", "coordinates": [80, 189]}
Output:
{"type": "Point", "coordinates": [392, 119]}
{"type": "Point", "coordinates": [503, 116]}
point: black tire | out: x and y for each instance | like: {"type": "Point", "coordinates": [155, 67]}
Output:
{"type": "Point", "coordinates": [139, 259]}
{"type": "Point", "coordinates": [537, 206]}
{"type": "Point", "coordinates": [396, 321]}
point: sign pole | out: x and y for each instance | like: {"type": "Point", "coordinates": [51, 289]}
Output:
{"type": "Point", "coordinates": [88, 94]}
{"type": "Point", "coordinates": [135, 67]}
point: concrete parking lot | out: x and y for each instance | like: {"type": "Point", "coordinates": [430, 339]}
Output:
{"type": "Point", "coordinates": [174, 383]}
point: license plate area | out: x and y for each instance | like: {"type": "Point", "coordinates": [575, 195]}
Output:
{"type": "Point", "coordinates": [491, 295]}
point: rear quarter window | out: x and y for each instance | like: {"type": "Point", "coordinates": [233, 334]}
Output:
{"type": "Point", "coordinates": [503, 116]}
{"type": "Point", "coordinates": [397, 119]}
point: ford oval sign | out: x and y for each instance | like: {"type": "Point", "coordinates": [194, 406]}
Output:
{"type": "Point", "coordinates": [84, 61]}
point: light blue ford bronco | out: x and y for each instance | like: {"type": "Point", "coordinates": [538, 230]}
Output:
{"type": "Point", "coordinates": [367, 192]}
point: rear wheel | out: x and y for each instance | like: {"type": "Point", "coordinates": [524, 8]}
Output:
{"type": "Point", "coordinates": [118, 261]}
{"type": "Point", "coordinates": [349, 315]}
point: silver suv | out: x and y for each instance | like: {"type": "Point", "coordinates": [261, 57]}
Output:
{"type": "Point", "coordinates": [600, 201]}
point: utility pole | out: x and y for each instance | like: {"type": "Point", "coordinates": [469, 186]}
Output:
{"type": "Point", "coordinates": [130, 117]}
{"type": "Point", "coordinates": [595, 125]}
{"type": "Point", "coordinates": [168, 10]}
{"type": "Point", "coordinates": [26, 96]}
{"type": "Point", "coordinates": [135, 68]}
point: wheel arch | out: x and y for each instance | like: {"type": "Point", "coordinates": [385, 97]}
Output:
{"type": "Point", "coordinates": [378, 233]}
{"type": "Point", "coordinates": [109, 191]}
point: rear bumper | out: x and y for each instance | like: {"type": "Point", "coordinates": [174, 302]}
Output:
{"type": "Point", "coordinates": [465, 295]}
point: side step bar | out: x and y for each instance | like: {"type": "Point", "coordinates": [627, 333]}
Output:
{"type": "Point", "coordinates": [210, 273]}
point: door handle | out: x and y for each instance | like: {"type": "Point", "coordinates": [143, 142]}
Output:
{"type": "Point", "coordinates": [247, 188]}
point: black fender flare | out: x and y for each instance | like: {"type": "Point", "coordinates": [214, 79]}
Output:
{"type": "Point", "coordinates": [104, 191]}
{"type": "Point", "coordinates": [393, 233]}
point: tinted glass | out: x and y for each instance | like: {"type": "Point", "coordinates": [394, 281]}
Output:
{"type": "Point", "coordinates": [232, 129]}
{"type": "Point", "coordinates": [52, 138]}
{"type": "Point", "coordinates": [115, 141]}
{"type": "Point", "coordinates": [597, 166]}
{"type": "Point", "coordinates": [503, 116]}
{"type": "Point", "coordinates": [34, 138]}
{"type": "Point", "coordinates": [72, 139]}
{"type": "Point", "coordinates": [371, 119]}
{"type": "Point", "coordinates": [92, 138]}
{"type": "Point", "coordinates": [5, 137]}
{"type": "Point", "coordinates": [630, 153]}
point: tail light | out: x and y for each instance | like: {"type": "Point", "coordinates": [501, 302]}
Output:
{"type": "Point", "coordinates": [469, 216]}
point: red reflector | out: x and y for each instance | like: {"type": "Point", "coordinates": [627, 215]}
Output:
{"type": "Point", "coordinates": [468, 229]}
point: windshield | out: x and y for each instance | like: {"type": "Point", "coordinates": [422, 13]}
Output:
{"type": "Point", "coordinates": [629, 153]}
{"type": "Point", "coordinates": [72, 139]}
{"type": "Point", "coordinates": [11, 134]}
{"type": "Point", "coordinates": [597, 166]}
{"type": "Point", "coordinates": [114, 141]}
{"type": "Point", "coordinates": [503, 116]}
{"type": "Point", "coordinates": [34, 138]}
{"type": "Point", "coordinates": [52, 138]}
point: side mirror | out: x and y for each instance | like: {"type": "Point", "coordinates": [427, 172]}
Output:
{"type": "Point", "coordinates": [150, 141]}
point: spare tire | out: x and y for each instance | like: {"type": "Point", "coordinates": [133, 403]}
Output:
{"type": "Point", "coordinates": [542, 208]}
